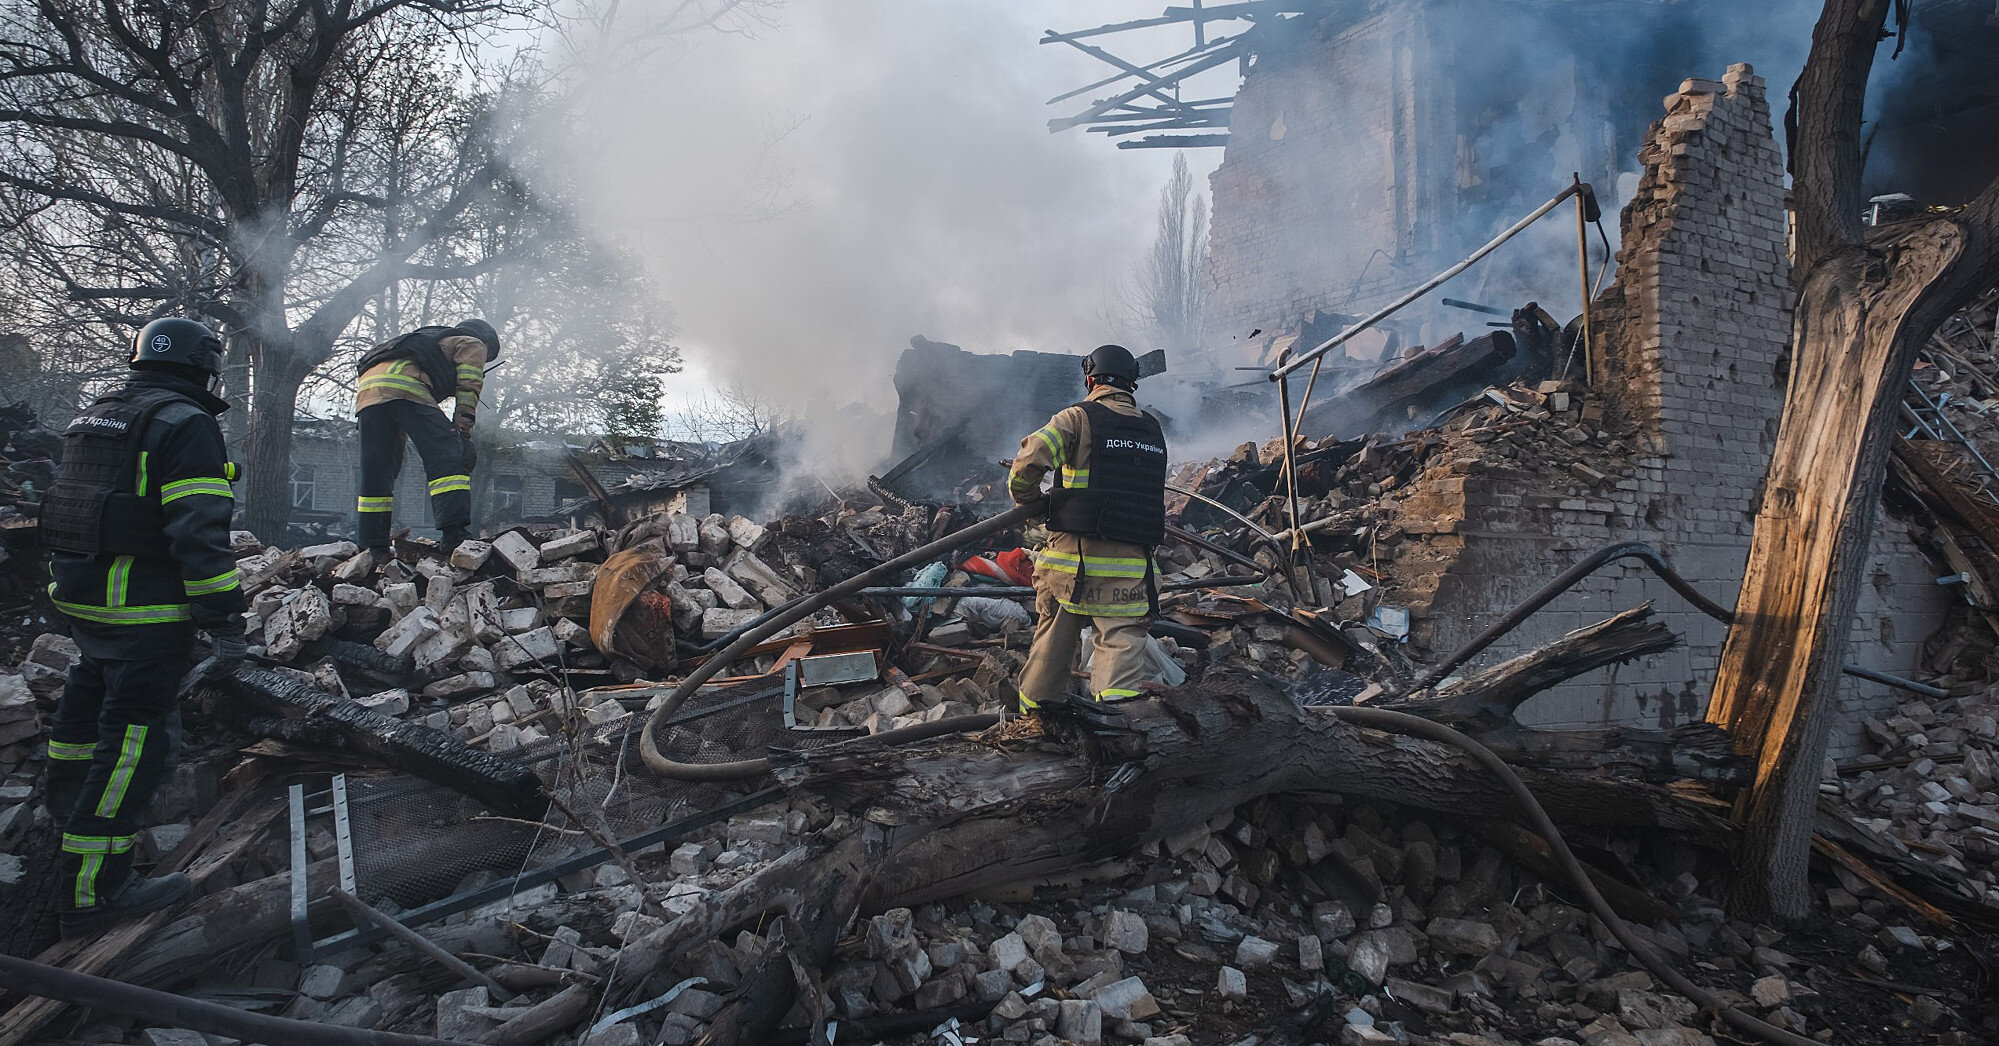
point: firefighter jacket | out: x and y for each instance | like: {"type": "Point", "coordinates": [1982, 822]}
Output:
{"type": "Point", "coordinates": [1089, 575]}
{"type": "Point", "coordinates": [404, 379]}
{"type": "Point", "coordinates": [149, 584]}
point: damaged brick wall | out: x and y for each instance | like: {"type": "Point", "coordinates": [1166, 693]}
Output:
{"type": "Point", "coordinates": [1682, 428]}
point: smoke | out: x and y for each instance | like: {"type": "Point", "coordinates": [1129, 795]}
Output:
{"type": "Point", "coordinates": [810, 193]}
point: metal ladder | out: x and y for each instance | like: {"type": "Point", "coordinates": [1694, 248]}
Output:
{"type": "Point", "coordinates": [1927, 419]}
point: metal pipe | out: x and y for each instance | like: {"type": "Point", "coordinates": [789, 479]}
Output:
{"type": "Point", "coordinates": [1432, 284]}
{"type": "Point", "coordinates": [1582, 260]}
{"type": "Point", "coordinates": [177, 1011]}
{"type": "Point", "coordinates": [1291, 564]}
{"type": "Point", "coordinates": [1027, 591]}
{"type": "Point", "coordinates": [466, 971]}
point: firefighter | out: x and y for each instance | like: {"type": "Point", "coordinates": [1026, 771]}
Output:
{"type": "Point", "coordinates": [402, 382]}
{"type": "Point", "coordinates": [137, 525]}
{"type": "Point", "coordinates": [1106, 513]}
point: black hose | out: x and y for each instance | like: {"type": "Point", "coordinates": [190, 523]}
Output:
{"type": "Point", "coordinates": [649, 748]}
{"type": "Point", "coordinates": [1416, 726]}
{"type": "Point", "coordinates": [1591, 564]}
{"type": "Point", "coordinates": [158, 1007]}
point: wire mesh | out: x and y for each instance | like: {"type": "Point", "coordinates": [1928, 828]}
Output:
{"type": "Point", "coordinates": [416, 841]}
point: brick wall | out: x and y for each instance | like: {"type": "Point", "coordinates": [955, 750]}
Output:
{"type": "Point", "coordinates": [1683, 422]}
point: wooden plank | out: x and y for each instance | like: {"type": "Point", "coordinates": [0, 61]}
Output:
{"type": "Point", "coordinates": [217, 840]}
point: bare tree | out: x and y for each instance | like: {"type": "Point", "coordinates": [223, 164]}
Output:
{"type": "Point", "coordinates": [732, 412]}
{"type": "Point", "coordinates": [215, 154]}
{"type": "Point", "coordinates": [1173, 285]}
{"type": "Point", "coordinates": [1867, 301]}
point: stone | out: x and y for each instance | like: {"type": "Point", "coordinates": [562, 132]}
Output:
{"type": "Point", "coordinates": [757, 576]}
{"type": "Point", "coordinates": [322, 981]}
{"type": "Point", "coordinates": [1926, 1009]}
{"type": "Point", "coordinates": [1462, 937]}
{"type": "Point", "coordinates": [572, 544]}
{"type": "Point", "coordinates": [520, 553]}
{"type": "Point", "coordinates": [1311, 954]}
{"type": "Point", "coordinates": [516, 652]}
{"type": "Point", "coordinates": [992, 985]}
{"type": "Point", "coordinates": [1081, 1022]}
{"type": "Point", "coordinates": [1369, 959]}
{"type": "Point", "coordinates": [683, 532]}
{"type": "Point", "coordinates": [696, 1003]}
{"type": "Point", "coordinates": [401, 639]}
{"type": "Point", "coordinates": [1899, 937]}
{"type": "Point", "coordinates": [454, 1021]}
{"type": "Point", "coordinates": [1427, 997]}
{"type": "Point", "coordinates": [171, 1037]}
{"type": "Point", "coordinates": [1231, 984]}
{"type": "Point", "coordinates": [471, 554]}
{"type": "Point", "coordinates": [1770, 992]}
{"type": "Point", "coordinates": [454, 686]}
{"type": "Point", "coordinates": [1039, 932]}
{"type": "Point", "coordinates": [720, 622]}
{"type": "Point", "coordinates": [1008, 952]}
{"type": "Point", "coordinates": [388, 702]}
{"type": "Point", "coordinates": [12, 868]}
{"type": "Point", "coordinates": [939, 992]}
{"type": "Point", "coordinates": [1126, 1000]}
{"type": "Point", "coordinates": [616, 1035]}
{"type": "Point", "coordinates": [1255, 953]}
{"type": "Point", "coordinates": [732, 595]}
{"type": "Point", "coordinates": [1126, 932]}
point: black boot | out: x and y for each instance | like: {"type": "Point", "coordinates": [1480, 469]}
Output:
{"type": "Point", "coordinates": [136, 897]}
{"type": "Point", "coordinates": [452, 538]}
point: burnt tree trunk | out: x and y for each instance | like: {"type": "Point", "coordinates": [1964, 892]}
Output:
{"type": "Point", "coordinates": [1869, 299]}
{"type": "Point", "coordinates": [276, 375]}
{"type": "Point", "coordinates": [942, 819]}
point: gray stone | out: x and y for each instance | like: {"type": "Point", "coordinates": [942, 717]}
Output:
{"type": "Point", "coordinates": [1255, 953]}
{"type": "Point", "coordinates": [1899, 937]}
{"type": "Point", "coordinates": [1231, 984]}
{"type": "Point", "coordinates": [1426, 997]}
{"type": "Point", "coordinates": [1081, 1022]}
{"type": "Point", "coordinates": [1126, 1000]}
{"type": "Point", "coordinates": [171, 1037]}
{"type": "Point", "coordinates": [322, 982]}
{"type": "Point", "coordinates": [940, 992]}
{"type": "Point", "coordinates": [1126, 932]}
{"type": "Point", "coordinates": [1369, 959]}
{"type": "Point", "coordinates": [1462, 937]}
{"type": "Point", "coordinates": [1007, 952]}
{"type": "Point", "coordinates": [1770, 992]}
{"type": "Point", "coordinates": [615, 1035]}
{"type": "Point", "coordinates": [992, 985]}
{"type": "Point", "coordinates": [1311, 954]}
{"type": "Point", "coordinates": [456, 1023]}
{"type": "Point", "coordinates": [696, 1003]}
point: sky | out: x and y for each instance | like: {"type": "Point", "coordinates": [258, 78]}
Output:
{"type": "Point", "coordinates": [808, 194]}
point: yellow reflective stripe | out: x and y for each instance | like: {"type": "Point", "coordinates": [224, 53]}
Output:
{"type": "Point", "coordinates": [1075, 479]}
{"type": "Point", "coordinates": [471, 370]}
{"type": "Point", "coordinates": [1095, 566]}
{"type": "Point", "coordinates": [121, 773]}
{"type": "Point", "coordinates": [1028, 704]}
{"type": "Point", "coordinates": [222, 582]}
{"type": "Point", "coordinates": [368, 504]}
{"type": "Point", "coordinates": [97, 844]}
{"type": "Point", "coordinates": [390, 381]}
{"type": "Point", "coordinates": [443, 484]}
{"type": "Point", "coordinates": [118, 581]}
{"type": "Point", "coordinates": [1053, 441]}
{"type": "Point", "coordinates": [182, 488]}
{"type": "Point", "coordinates": [231, 472]}
{"type": "Point", "coordinates": [86, 881]}
{"type": "Point", "coordinates": [1106, 609]}
{"type": "Point", "coordinates": [142, 615]}
{"type": "Point", "coordinates": [145, 460]}
{"type": "Point", "coordinates": [66, 751]}
{"type": "Point", "coordinates": [1112, 691]}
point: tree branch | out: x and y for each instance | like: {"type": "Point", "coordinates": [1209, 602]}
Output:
{"type": "Point", "coordinates": [1826, 152]}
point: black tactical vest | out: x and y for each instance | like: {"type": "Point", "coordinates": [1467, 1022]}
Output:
{"type": "Point", "coordinates": [95, 506]}
{"type": "Point", "coordinates": [425, 345]}
{"type": "Point", "coordinates": [1124, 496]}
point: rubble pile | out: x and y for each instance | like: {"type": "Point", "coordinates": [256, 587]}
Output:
{"type": "Point", "coordinates": [1933, 783]}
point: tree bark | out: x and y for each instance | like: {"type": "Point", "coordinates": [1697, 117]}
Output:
{"type": "Point", "coordinates": [1865, 309]}
{"type": "Point", "coordinates": [947, 818]}
{"type": "Point", "coordinates": [276, 374]}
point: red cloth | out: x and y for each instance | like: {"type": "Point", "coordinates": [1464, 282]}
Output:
{"type": "Point", "coordinates": [1012, 567]}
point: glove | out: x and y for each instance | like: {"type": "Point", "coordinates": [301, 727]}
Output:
{"type": "Point", "coordinates": [470, 453]}
{"type": "Point", "coordinates": [231, 648]}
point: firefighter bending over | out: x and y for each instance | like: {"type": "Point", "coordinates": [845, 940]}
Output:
{"type": "Point", "coordinates": [1106, 513]}
{"type": "Point", "coordinates": [402, 382]}
{"type": "Point", "coordinates": [137, 525]}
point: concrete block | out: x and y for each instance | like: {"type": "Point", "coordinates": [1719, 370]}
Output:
{"type": "Point", "coordinates": [744, 531]}
{"type": "Point", "coordinates": [758, 576]}
{"type": "Point", "coordinates": [683, 533]}
{"type": "Point", "coordinates": [732, 595]}
{"type": "Point", "coordinates": [520, 553]}
{"type": "Point", "coordinates": [572, 544]}
{"type": "Point", "coordinates": [518, 652]}
{"type": "Point", "coordinates": [460, 685]}
{"type": "Point", "coordinates": [388, 702]}
{"type": "Point", "coordinates": [471, 554]}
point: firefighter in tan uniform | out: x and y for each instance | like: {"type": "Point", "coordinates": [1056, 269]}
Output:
{"type": "Point", "coordinates": [1106, 513]}
{"type": "Point", "coordinates": [403, 382]}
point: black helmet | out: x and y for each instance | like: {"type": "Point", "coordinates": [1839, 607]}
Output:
{"type": "Point", "coordinates": [179, 342]}
{"type": "Point", "coordinates": [483, 331]}
{"type": "Point", "coordinates": [1112, 363]}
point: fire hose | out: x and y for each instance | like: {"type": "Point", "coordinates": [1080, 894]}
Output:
{"type": "Point", "coordinates": [1378, 718]}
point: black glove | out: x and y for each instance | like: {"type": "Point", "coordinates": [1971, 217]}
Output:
{"type": "Point", "coordinates": [231, 648]}
{"type": "Point", "coordinates": [471, 453]}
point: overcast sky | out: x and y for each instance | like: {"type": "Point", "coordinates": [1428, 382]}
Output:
{"type": "Point", "coordinates": [810, 194]}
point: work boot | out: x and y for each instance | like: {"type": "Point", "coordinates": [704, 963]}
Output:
{"type": "Point", "coordinates": [136, 897]}
{"type": "Point", "coordinates": [451, 539]}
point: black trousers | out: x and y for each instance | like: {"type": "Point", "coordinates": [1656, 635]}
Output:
{"type": "Point", "coordinates": [383, 427]}
{"type": "Point", "coordinates": [111, 744]}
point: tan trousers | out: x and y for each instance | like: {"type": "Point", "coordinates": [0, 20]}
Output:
{"type": "Point", "coordinates": [1117, 660]}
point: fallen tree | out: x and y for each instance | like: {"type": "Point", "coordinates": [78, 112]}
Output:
{"type": "Point", "coordinates": [955, 816]}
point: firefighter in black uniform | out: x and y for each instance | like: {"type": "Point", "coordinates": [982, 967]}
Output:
{"type": "Point", "coordinates": [137, 524]}
{"type": "Point", "coordinates": [403, 382]}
